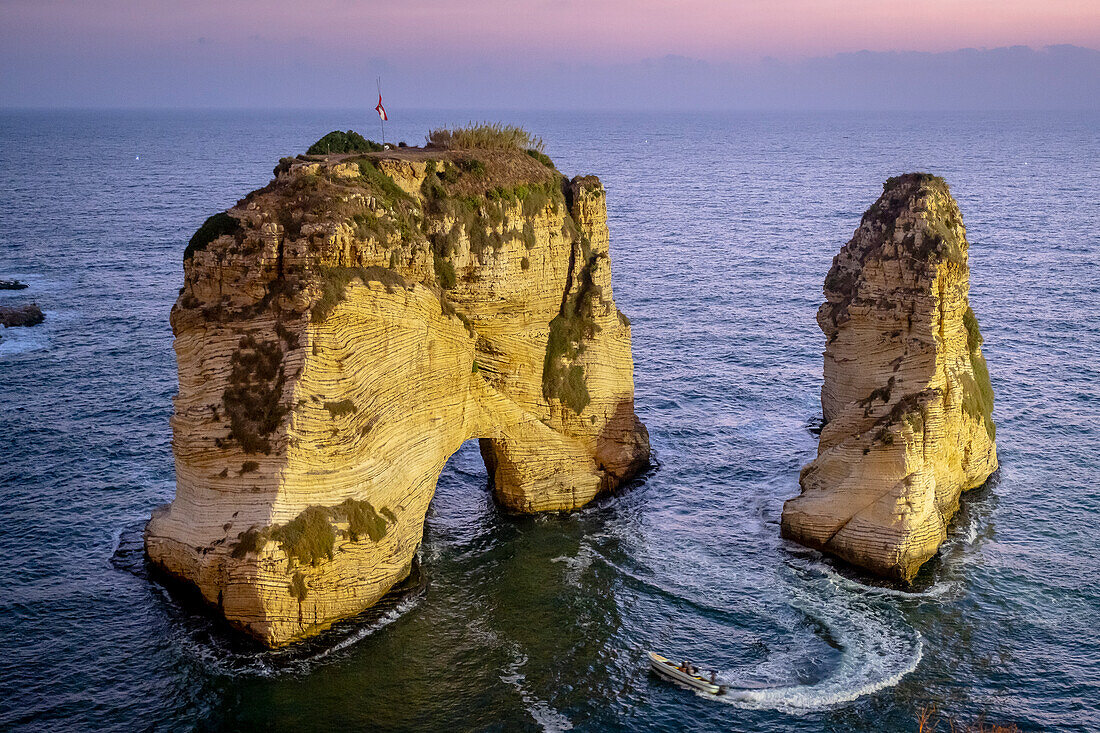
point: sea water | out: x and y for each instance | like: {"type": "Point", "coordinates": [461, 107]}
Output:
{"type": "Point", "coordinates": [723, 228]}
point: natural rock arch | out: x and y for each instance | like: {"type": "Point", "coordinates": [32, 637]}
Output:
{"type": "Point", "coordinates": [345, 332]}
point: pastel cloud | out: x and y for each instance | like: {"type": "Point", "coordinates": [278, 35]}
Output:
{"type": "Point", "coordinates": [596, 30]}
{"type": "Point", "coordinates": [520, 53]}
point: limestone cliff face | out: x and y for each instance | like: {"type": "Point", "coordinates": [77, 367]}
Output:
{"type": "Point", "coordinates": [342, 331]}
{"type": "Point", "coordinates": [907, 398]}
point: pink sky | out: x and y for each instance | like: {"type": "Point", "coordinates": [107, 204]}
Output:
{"type": "Point", "coordinates": [577, 30]}
{"type": "Point", "coordinates": [527, 54]}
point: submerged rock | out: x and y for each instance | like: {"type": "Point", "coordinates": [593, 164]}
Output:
{"type": "Point", "coordinates": [342, 331]}
{"type": "Point", "coordinates": [907, 400]}
{"type": "Point", "coordinates": [21, 315]}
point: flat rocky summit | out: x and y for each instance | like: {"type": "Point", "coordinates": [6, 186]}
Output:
{"type": "Point", "coordinates": [343, 330]}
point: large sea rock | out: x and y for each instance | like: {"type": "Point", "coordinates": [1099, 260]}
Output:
{"type": "Point", "coordinates": [342, 331]}
{"type": "Point", "coordinates": [907, 399]}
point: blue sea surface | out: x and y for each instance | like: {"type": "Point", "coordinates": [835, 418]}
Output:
{"type": "Point", "coordinates": [723, 228]}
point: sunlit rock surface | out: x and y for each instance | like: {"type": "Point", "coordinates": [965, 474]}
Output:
{"type": "Point", "coordinates": [342, 331]}
{"type": "Point", "coordinates": [907, 398]}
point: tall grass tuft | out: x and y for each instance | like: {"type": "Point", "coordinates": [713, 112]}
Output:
{"type": "Point", "coordinates": [542, 158]}
{"type": "Point", "coordinates": [485, 136]}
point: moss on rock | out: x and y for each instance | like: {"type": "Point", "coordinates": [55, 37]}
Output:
{"type": "Point", "coordinates": [977, 390]}
{"type": "Point", "coordinates": [562, 377]}
{"type": "Point", "coordinates": [335, 280]}
{"type": "Point", "coordinates": [343, 142]}
{"type": "Point", "coordinates": [252, 401]}
{"type": "Point", "coordinates": [310, 538]}
{"type": "Point", "coordinates": [215, 226]}
{"type": "Point", "coordinates": [363, 520]}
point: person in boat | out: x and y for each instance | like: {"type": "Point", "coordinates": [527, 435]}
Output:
{"type": "Point", "coordinates": [713, 677]}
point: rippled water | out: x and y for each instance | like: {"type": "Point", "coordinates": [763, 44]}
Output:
{"type": "Point", "coordinates": [723, 228]}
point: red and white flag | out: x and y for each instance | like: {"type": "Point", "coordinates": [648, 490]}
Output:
{"type": "Point", "coordinates": [380, 109]}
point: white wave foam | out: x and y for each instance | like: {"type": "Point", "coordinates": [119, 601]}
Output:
{"type": "Point", "coordinates": [877, 649]}
{"type": "Point", "coordinates": [861, 672]}
{"type": "Point", "coordinates": [25, 339]}
{"type": "Point", "coordinates": [939, 591]}
{"type": "Point", "coordinates": [540, 710]}
{"type": "Point", "coordinates": [968, 536]}
{"type": "Point", "coordinates": [547, 717]}
{"type": "Point", "coordinates": [576, 566]}
{"type": "Point", "coordinates": [16, 341]}
{"type": "Point", "coordinates": [403, 607]}
{"type": "Point", "coordinates": [272, 664]}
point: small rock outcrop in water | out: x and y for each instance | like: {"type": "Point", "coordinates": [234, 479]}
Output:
{"type": "Point", "coordinates": [342, 331]}
{"type": "Point", "coordinates": [12, 285]}
{"type": "Point", "coordinates": [907, 397]}
{"type": "Point", "coordinates": [21, 315]}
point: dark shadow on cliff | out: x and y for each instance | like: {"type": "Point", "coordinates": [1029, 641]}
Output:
{"type": "Point", "coordinates": [615, 454]}
{"type": "Point", "coordinates": [619, 448]}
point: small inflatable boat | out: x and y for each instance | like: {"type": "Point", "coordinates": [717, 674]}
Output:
{"type": "Point", "coordinates": [697, 678]}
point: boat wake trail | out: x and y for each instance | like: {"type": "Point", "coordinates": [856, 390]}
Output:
{"type": "Point", "coordinates": [876, 646]}
{"type": "Point", "coordinates": [546, 717]}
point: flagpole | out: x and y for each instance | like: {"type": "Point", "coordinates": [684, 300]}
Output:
{"type": "Point", "coordinates": [381, 119]}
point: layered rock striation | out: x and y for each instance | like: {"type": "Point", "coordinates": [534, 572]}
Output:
{"type": "Point", "coordinates": [342, 331]}
{"type": "Point", "coordinates": [907, 400]}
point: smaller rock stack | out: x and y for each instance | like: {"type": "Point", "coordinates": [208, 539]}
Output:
{"type": "Point", "coordinates": [907, 399]}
